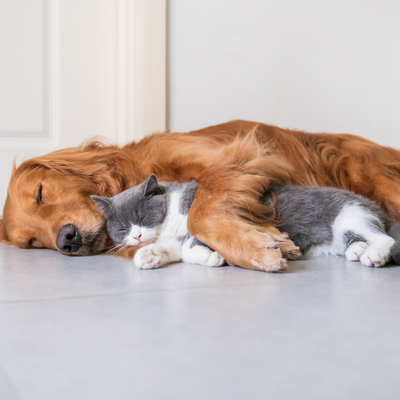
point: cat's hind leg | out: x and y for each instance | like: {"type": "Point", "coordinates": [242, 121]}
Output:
{"type": "Point", "coordinates": [355, 224]}
{"type": "Point", "coordinates": [355, 251]}
{"type": "Point", "coordinates": [378, 252]}
{"type": "Point", "coordinates": [375, 251]}
{"type": "Point", "coordinates": [195, 252]}
{"type": "Point", "coordinates": [156, 255]}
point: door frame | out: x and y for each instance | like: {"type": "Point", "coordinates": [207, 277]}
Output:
{"type": "Point", "coordinates": [142, 68]}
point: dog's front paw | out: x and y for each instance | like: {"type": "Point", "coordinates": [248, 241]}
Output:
{"type": "Point", "coordinates": [147, 258]}
{"type": "Point", "coordinates": [270, 261]}
{"type": "Point", "coordinates": [287, 247]}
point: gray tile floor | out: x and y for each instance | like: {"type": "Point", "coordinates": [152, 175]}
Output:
{"type": "Point", "coordinates": [98, 328]}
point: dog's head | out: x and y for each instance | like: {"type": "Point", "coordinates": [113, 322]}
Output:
{"type": "Point", "coordinates": [48, 201]}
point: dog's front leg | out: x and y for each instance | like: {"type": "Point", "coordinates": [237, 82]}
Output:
{"type": "Point", "coordinates": [240, 243]}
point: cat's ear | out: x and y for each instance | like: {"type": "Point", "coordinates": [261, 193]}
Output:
{"type": "Point", "coordinates": [3, 235]}
{"type": "Point", "coordinates": [151, 186]}
{"type": "Point", "coordinates": [104, 203]}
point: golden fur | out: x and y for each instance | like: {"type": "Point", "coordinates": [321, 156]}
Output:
{"type": "Point", "coordinates": [233, 163]}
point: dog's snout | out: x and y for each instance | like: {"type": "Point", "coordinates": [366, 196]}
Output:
{"type": "Point", "coordinates": [69, 240]}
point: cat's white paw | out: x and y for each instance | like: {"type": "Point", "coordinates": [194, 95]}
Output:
{"type": "Point", "coordinates": [355, 251]}
{"type": "Point", "coordinates": [215, 259]}
{"type": "Point", "coordinates": [147, 258]}
{"type": "Point", "coordinates": [375, 256]}
{"type": "Point", "coordinates": [202, 255]}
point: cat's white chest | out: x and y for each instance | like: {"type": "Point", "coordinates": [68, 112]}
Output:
{"type": "Point", "coordinates": [175, 223]}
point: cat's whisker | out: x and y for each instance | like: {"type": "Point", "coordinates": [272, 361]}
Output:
{"type": "Point", "coordinates": [123, 245]}
{"type": "Point", "coordinates": [118, 246]}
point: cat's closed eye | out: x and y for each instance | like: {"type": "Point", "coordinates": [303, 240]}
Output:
{"type": "Point", "coordinates": [141, 221]}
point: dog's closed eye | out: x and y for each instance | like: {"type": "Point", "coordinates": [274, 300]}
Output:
{"type": "Point", "coordinates": [35, 244]}
{"type": "Point", "coordinates": [39, 197]}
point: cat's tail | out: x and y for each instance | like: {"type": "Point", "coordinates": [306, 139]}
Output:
{"type": "Point", "coordinates": [393, 231]}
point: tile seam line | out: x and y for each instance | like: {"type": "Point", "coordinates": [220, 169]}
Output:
{"type": "Point", "coordinates": [121, 294]}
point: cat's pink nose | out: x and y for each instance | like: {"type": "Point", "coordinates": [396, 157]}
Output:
{"type": "Point", "coordinates": [137, 237]}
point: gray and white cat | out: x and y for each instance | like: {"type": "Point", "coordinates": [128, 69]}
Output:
{"type": "Point", "coordinates": [320, 220]}
{"type": "Point", "coordinates": [154, 215]}
{"type": "Point", "coordinates": [331, 221]}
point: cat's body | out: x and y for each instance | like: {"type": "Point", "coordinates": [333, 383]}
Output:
{"type": "Point", "coordinates": [320, 220]}
{"type": "Point", "coordinates": [154, 216]}
{"type": "Point", "coordinates": [331, 221]}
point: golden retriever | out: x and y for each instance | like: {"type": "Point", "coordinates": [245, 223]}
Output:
{"type": "Point", "coordinates": [48, 200]}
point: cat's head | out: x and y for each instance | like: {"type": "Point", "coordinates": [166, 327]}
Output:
{"type": "Point", "coordinates": [134, 216]}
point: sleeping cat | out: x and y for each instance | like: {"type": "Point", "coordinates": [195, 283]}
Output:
{"type": "Point", "coordinates": [155, 215]}
{"type": "Point", "coordinates": [320, 220]}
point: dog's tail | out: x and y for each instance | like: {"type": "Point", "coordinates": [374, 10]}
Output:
{"type": "Point", "coordinates": [393, 231]}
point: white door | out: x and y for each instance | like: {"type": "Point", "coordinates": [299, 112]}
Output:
{"type": "Point", "coordinates": [73, 69]}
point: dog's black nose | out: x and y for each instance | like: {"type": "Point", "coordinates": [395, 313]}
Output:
{"type": "Point", "coordinates": [69, 240]}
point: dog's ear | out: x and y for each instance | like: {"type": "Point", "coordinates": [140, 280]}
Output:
{"type": "Point", "coordinates": [151, 187]}
{"type": "Point", "coordinates": [104, 203]}
{"type": "Point", "coordinates": [3, 235]}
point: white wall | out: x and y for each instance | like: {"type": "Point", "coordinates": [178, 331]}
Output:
{"type": "Point", "coordinates": [315, 65]}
